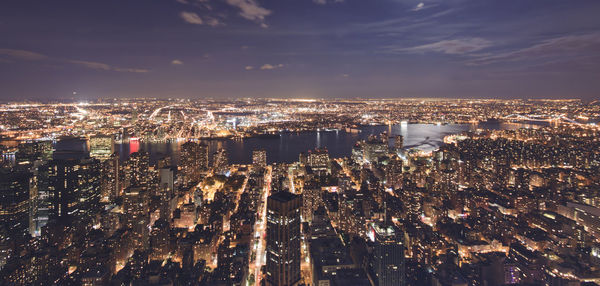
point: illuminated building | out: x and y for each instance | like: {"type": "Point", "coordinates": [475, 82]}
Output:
{"type": "Point", "coordinates": [388, 254]}
{"type": "Point", "coordinates": [111, 187]}
{"type": "Point", "coordinates": [374, 148]}
{"type": "Point", "coordinates": [259, 158]}
{"type": "Point", "coordinates": [136, 209]}
{"type": "Point", "coordinates": [74, 188]}
{"type": "Point", "coordinates": [30, 152]}
{"type": "Point", "coordinates": [393, 175]}
{"type": "Point", "coordinates": [283, 239]}
{"type": "Point", "coordinates": [14, 201]}
{"type": "Point", "coordinates": [101, 146]}
{"type": "Point", "coordinates": [399, 143]}
{"type": "Point", "coordinates": [220, 162]}
{"type": "Point", "coordinates": [311, 200]}
{"type": "Point", "coordinates": [318, 159]}
{"type": "Point", "coordinates": [159, 240]}
{"type": "Point", "coordinates": [137, 170]}
{"type": "Point", "coordinates": [194, 159]}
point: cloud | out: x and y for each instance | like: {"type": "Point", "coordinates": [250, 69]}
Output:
{"type": "Point", "coordinates": [452, 47]}
{"type": "Point", "coordinates": [176, 62]}
{"type": "Point", "coordinates": [419, 6]}
{"type": "Point", "coordinates": [323, 2]}
{"type": "Point", "coordinates": [250, 10]}
{"type": "Point", "coordinates": [23, 55]}
{"type": "Point", "coordinates": [570, 46]}
{"type": "Point", "coordinates": [271, 67]}
{"type": "Point", "coordinates": [249, 68]}
{"type": "Point", "coordinates": [33, 56]}
{"type": "Point", "coordinates": [130, 70]}
{"type": "Point", "coordinates": [191, 17]}
{"type": "Point", "coordinates": [213, 22]}
{"type": "Point", "coordinates": [106, 67]}
{"type": "Point", "coordinates": [91, 65]}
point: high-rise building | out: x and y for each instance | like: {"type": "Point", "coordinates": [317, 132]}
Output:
{"type": "Point", "coordinates": [220, 161]}
{"type": "Point", "coordinates": [111, 187]}
{"type": "Point", "coordinates": [14, 201]}
{"type": "Point", "coordinates": [159, 240]}
{"type": "Point", "coordinates": [399, 143]}
{"type": "Point", "coordinates": [194, 159]}
{"type": "Point", "coordinates": [73, 187]}
{"type": "Point", "coordinates": [283, 239]}
{"type": "Point", "coordinates": [136, 209]}
{"type": "Point", "coordinates": [388, 254]}
{"type": "Point", "coordinates": [374, 148]}
{"type": "Point", "coordinates": [393, 173]}
{"type": "Point", "coordinates": [259, 158]}
{"type": "Point", "coordinates": [101, 146]}
{"type": "Point", "coordinates": [136, 170]}
{"type": "Point", "coordinates": [318, 159]}
{"type": "Point", "coordinates": [30, 152]}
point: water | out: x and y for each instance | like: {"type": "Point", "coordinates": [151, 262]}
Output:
{"type": "Point", "coordinates": [425, 137]}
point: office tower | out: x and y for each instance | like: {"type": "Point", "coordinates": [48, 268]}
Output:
{"type": "Point", "coordinates": [73, 188]}
{"type": "Point", "coordinates": [259, 158]}
{"type": "Point", "coordinates": [374, 148]}
{"type": "Point", "coordinates": [220, 162]}
{"type": "Point", "coordinates": [30, 152]}
{"type": "Point", "coordinates": [166, 185]}
{"type": "Point", "coordinates": [318, 159]}
{"type": "Point", "coordinates": [101, 146]}
{"type": "Point", "coordinates": [357, 153]}
{"type": "Point", "coordinates": [388, 254]}
{"type": "Point", "coordinates": [393, 173]}
{"type": "Point", "coordinates": [41, 203]}
{"type": "Point", "coordinates": [111, 187]}
{"type": "Point", "coordinates": [159, 240]}
{"type": "Point", "coordinates": [136, 170]}
{"type": "Point", "coordinates": [283, 239]}
{"type": "Point", "coordinates": [399, 143]}
{"type": "Point", "coordinates": [311, 201]}
{"type": "Point", "coordinates": [194, 160]}
{"type": "Point", "coordinates": [136, 209]}
{"type": "Point", "coordinates": [302, 158]}
{"type": "Point", "coordinates": [14, 201]}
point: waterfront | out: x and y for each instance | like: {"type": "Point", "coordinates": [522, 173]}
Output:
{"type": "Point", "coordinates": [426, 137]}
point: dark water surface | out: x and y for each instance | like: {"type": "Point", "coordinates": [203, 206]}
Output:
{"type": "Point", "coordinates": [425, 137]}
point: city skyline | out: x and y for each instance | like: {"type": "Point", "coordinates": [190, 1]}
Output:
{"type": "Point", "coordinates": [358, 192]}
{"type": "Point", "coordinates": [299, 49]}
{"type": "Point", "coordinates": [300, 142]}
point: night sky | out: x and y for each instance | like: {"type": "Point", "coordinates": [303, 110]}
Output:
{"type": "Point", "coordinates": [299, 48]}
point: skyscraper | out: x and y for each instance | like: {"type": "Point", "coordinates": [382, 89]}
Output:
{"type": "Point", "coordinates": [101, 147]}
{"type": "Point", "coordinates": [135, 207]}
{"type": "Point", "coordinates": [318, 159]}
{"type": "Point", "coordinates": [259, 158]}
{"type": "Point", "coordinates": [399, 143]}
{"type": "Point", "coordinates": [136, 170]}
{"type": "Point", "coordinates": [14, 201]}
{"type": "Point", "coordinates": [110, 180]}
{"type": "Point", "coordinates": [388, 254]}
{"type": "Point", "coordinates": [220, 162]}
{"type": "Point", "coordinates": [194, 159]}
{"type": "Point", "coordinates": [74, 188]}
{"type": "Point", "coordinates": [283, 239]}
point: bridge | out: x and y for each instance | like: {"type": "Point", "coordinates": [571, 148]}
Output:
{"type": "Point", "coordinates": [541, 118]}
